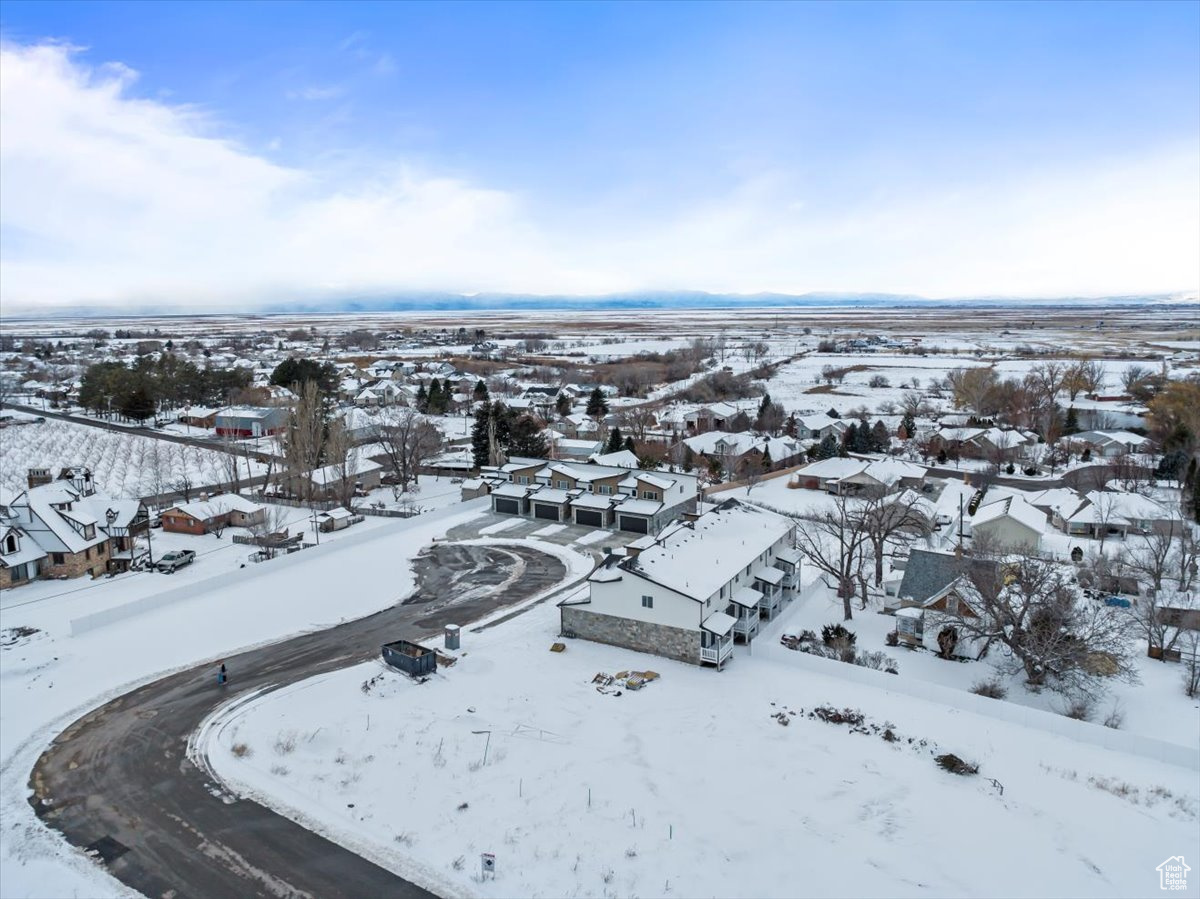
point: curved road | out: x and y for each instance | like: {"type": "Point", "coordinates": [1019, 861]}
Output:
{"type": "Point", "coordinates": [118, 780]}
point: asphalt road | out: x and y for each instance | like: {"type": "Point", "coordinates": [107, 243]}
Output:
{"type": "Point", "coordinates": [119, 780]}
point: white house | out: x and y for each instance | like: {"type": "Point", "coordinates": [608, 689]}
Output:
{"type": "Point", "coordinates": [687, 592]}
{"type": "Point", "coordinates": [1011, 522]}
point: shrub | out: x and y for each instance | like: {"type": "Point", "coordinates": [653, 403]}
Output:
{"type": "Point", "coordinates": [892, 639]}
{"type": "Point", "coordinates": [952, 763]}
{"type": "Point", "coordinates": [1079, 709]}
{"type": "Point", "coordinates": [242, 751]}
{"type": "Point", "coordinates": [1115, 717]}
{"type": "Point", "coordinates": [834, 634]}
{"type": "Point", "coordinates": [1010, 468]}
{"type": "Point", "coordinates": [830, 715]}
{"type": "Point", "coordinates": [876, 661]}
{"type": "Point", "coordinates": [947, 640]}
{"type": "Point", "coordinates": [992, 689]}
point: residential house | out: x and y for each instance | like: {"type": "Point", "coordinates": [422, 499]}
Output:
{"type": "Point", "coordinates": [593, 495]}
{"type": "Point", "coordinates": [360, 474]}
{"type": "Point", "coordinates": [1009, 522]}
{"type": "Point", "coordinates": [737, 452]}
{"type": "Point", "coordinates": [818, 426]}
{"type": "Point", "coordinates": [839, 475]}
{"type": "Point", "coordinates": [213, 514]}
{"type": "Point", "coordinates": [197, 417]}
{"type": "Point", "coordinates": [1116, 513]}
{"type": "Point", "coordinates": [250, 421]}
{"type": "Point", "coordinates": [689, 591]}
{"type": "Point", "coordinates": [936, 586]}
{"type": "Point", "coordinates": [1111, 444]}
{"type": "Point", "coordinates": [713, 417]}
{"type": "Point", "coordinates": [20, 555]}
{"type": "Point", "coordinates": [60, 519]}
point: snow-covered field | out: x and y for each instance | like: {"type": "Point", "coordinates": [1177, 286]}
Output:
{"type": "Point", "coordinates": [692, 786]}
{"type": "Point", "coordinates": [49, 678]}
{"type": "Point", "coordinates": [123, 465]}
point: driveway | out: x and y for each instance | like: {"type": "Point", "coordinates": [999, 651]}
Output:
{"type": "Point", "coordinates": [118, 781]}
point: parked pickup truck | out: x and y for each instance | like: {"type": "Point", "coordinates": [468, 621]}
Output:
{"type": "Point", "coordinates": [173, 561]}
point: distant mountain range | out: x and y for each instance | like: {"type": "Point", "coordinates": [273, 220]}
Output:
{"type": "Point", "coordinates": [498, 302]}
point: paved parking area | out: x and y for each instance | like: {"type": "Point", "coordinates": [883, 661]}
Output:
{"type": "Point", "coordinates": [512, 527]}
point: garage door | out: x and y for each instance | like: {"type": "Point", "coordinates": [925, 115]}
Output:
{"type": "Point", "coordinates": [541, 510]}
{"type": "Point", "coordinates": [507, 505]}
{"type": "Point", "coordinates": [640, 525]}
{"type": "Point", "coordinates": [589, 516]}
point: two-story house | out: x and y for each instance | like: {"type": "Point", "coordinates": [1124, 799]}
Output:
{"type": "Point", "coordinates": [688, 591]}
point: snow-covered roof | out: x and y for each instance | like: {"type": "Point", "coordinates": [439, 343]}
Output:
{"type": "Point", "coordinates": [619, 459]}
{"type": "Point", "coordinates": [697, 558]}
{"type": "Point", "coordinates": [52, 527]}
{"type": "Point", "coordinates": [549, 495]}
{"type": "Point", "coordinates": [594, 501]}
{"type": "Point", "coordinates": [770, 575]}
{"type": "Point", "coordinates": [203, 510]}
{"type": "Point", "coordinates": [27, 549]}
{"type": "Point", "coordinates": [514, 490]}
{"type": "Point", "coordinates": [747, 596]}
{"type": "Point", "coordinates": [719, 623]}
{"type": "Point", "coordinates": [1011, 507]}
{"type": "Point", "coordinates": [639, 506]}
{"type": "Point", "coordinates": [354, 467]}
{"type": "Point", "coordinates": [337, 513]}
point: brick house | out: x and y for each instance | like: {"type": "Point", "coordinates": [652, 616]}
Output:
{"type": "Point", "coordinates": [213, 514]}
{"type": "Point", "coordinates": [66, 520]}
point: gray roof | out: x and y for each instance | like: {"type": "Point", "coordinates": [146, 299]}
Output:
{"type": "Point", "coordinates": [928, 573]}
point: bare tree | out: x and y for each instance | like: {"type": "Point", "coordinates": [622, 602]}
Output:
{"type": "Point", "coordinates": [1046, 628]}
{"type": "Point", "coordinates": [1190, 655]}
{"type": "Point", "coordinates": [341, 457]}
{"type": "Point", "coordinates": [833, 541]}
{"type": "Point", "coordinates": [890, 521]}
{"type": "Point", "coordinates": [637, 421]}
{"type": "Point", "coordinates": [1163, 618]}
{"type": "Point", "coordinates": [1149, 557]}
{"type": "Point", "coordinates": [303, 439]}
{"type": "Point", "coordinates": [409, 440]}
{"type": "Point", "coordinates": [1106, 505]}
{"type": "Point", "coordinates": [268, 530]}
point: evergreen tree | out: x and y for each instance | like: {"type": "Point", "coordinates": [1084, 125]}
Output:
{"type": "Point", "coordinates": [909, 424]}
{"type": "Point", "coordinates": [480, 445]}
{"type": "Point", "coordinates": [850, 439]}
{"type": "Point", "coordinates": [631, 446]}
{"type": "Point", "coordinates": [833, 413]}
{"type": "Point", "coordinates": [422, 401]}
{"type": "Point", "coordinates": [435, 403]}
{"type": "Point", "coordinates": [563, 405]}
{"type": "Point", "coordinates": [597, 405]}
{"type": "Point", "coordinates": [827, 448]}
{"type": "Point", "coordinates": [1072, 424]}
{"type": "Point", "coordinates": [689, 458]}
{"type": "Point", "coordinates": [528, 439]}
{"type": "Point", "coordinates": [138, 405]}
{"type": "Point", "coordinates": [480, 394]}
{"type": "Point", "coordinates": [614, 440]}
{"type": "Point", "coordinates": [767, 461]}
{"type": "Point", "coordinates": [880, 439]}
{"type": "Point", "coordinates": [790, 428]}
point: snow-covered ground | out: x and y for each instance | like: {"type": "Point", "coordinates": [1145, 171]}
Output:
{"type": "Point", "coordinates": [49, 678]}
{"type": "Point", "coordinates": [692, 786]}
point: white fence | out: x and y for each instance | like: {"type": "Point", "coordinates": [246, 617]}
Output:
{"type": "Point", "coordinates": [104, 617]}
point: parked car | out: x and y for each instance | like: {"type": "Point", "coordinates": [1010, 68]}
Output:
{"type": "Point", "coordinates": [173, 561]}
{"type": "Point", "coordinates": [155, 520]}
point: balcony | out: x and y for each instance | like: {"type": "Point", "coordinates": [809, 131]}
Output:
{"type": "Point", "coordinates": [716, 655]}
{"type": "Point", "coordinates": [746, 626]}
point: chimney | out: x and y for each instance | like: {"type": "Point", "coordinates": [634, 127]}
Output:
{"type": "Point", "coordinates": [37, 477]}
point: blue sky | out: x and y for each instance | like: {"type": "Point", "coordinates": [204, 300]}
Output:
{"type": "Point", "coordinates": [943, 149]}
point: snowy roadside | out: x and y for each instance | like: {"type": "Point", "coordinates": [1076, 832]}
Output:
{"type": "Point", "coordinates": [589, 792]}
{"type": "Point", "coordinates": [49, 679]}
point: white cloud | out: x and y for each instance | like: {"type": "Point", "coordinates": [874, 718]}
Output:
{"type": "Point", "coordinates": [316, 93]}
{"type": "Point", "coordinates": [105, 197]}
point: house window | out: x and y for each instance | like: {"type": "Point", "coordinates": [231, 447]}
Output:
{"type": "Point", "coordinates": [747, 570]}
{"type": "Point", "coordinates": [649, 494]}
{"type": "Point", "coordinates": [57, 558]}
{"type": "Point", "coordinates": [606, 489]}
{"type": "Point", "coordinates": [561, 485]}
{"type": "Point", "coordinates": [89, 531]}
{"type": "Point", "coordinates": [87, 553]}
{"type": "Point", "coordinates": [10, 543]}
{"type": "Point", "coordinates": [952, 604]}
{"type": "Point", "coordinates": [647, 602]}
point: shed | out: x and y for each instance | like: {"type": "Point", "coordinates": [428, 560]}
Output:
{"type": "Point", "coordinates": [411, 658]}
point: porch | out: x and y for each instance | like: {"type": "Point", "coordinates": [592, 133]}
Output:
{"type": "Point", "coordinates": [716, 639]}
{"type": "Point", "coordinates": [744, 610]}
{"type": "Point", "coordinates": [769, 584]}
